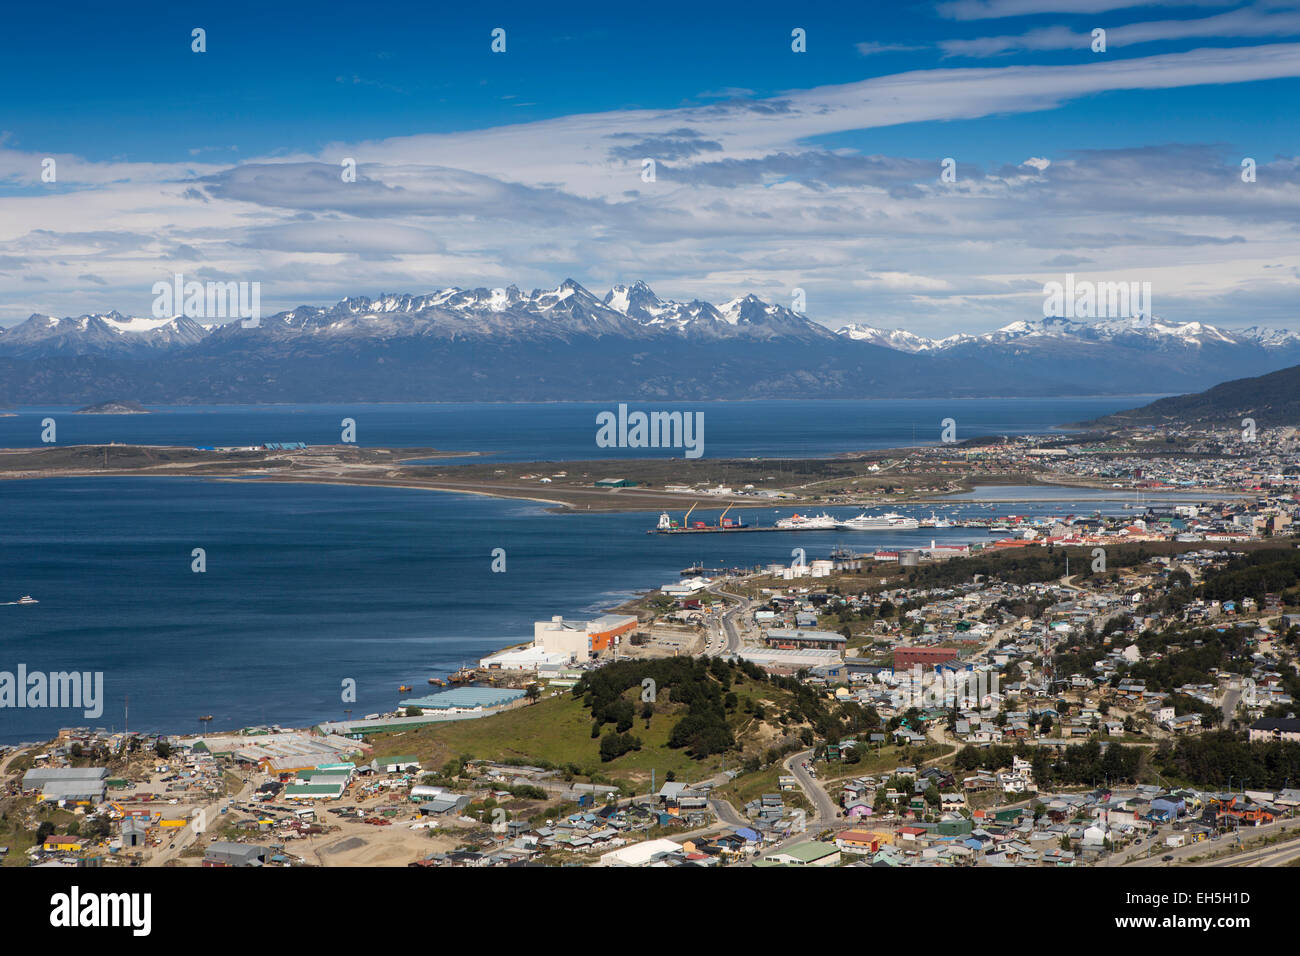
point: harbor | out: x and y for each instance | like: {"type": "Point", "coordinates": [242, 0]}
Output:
{"type": "Point", "coordinates": [796, 522]}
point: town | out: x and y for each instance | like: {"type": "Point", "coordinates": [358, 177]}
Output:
{"type": "Point", "coordinates": [1068, 693]}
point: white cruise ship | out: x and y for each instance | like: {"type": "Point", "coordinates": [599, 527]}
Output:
{"type": "Point", "coordinates": [885, 522]}
{"type": "Point", "coordinates": [821, 522]}
{"type": "Point", "coordinates": [934, 521]}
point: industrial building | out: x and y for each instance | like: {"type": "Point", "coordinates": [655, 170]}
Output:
{"type": "Point", "coordinates": [789, 660]}
{"type": "Point", "coordinates": [466, 700]}
{"type": "Point", "coordinates": [804, 638]}
{"type": "Point", "coordinates": [400, 764]}
{"type": "Point", "coordinates": [282, 753]}
{"type": "Point", "coordinates": [223, 853]}
{"type": "Point", "coordinates": [907, 656]}
{"type": "Point", "coordinates": [646, 853]}
{"type": "Point", "coordinates": [72, 784]}
{"type": "Point", "coordinates": [581, 639]}
{"type": "Point", "coordinates": [531, 658]}
{"type": "Point", "coordinates": [439, 801]}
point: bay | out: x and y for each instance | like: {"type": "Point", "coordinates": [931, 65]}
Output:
{"type": "Point", "coordinates": [567, 430]}
{"type": "Point", "coordinates": [308, 585]}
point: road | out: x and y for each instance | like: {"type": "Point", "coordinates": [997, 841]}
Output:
{"type": "Point", "coordinates": [186, 835]}
{"type": "Point", "coordinates": [10, 757]}
{"type": "Point", "coordinates": [1153, 853]}
{"type": "Point", "coordinates": [726, 639]}
{"type": "Point", "coordinates": [1279, 855]}
{"type": "Point", "coordinates": [824, 810]}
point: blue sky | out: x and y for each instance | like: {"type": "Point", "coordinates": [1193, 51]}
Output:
{"type": "Point", "coordinates": [775, 169]}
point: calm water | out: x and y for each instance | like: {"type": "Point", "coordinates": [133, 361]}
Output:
{"type": "Point", "coordinates": [563, 431]}
{"type": "Point", "coordinates": [308, 585]}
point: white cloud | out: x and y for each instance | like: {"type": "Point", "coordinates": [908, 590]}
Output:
{"type": "Point", "coordinates": [529, 203]}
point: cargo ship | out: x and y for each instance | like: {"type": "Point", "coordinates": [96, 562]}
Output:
{"type": "Point", "coordinates": [666, 523]}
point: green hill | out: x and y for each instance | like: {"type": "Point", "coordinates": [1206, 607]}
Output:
{"type": "Point", "coordinates": [1272, 399]}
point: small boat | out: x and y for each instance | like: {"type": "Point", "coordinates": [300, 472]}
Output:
{"type": "Point", "coordinates": [437, 682]}
{"type": "Point", "coordinates": [404, 689]}
{"type": "Point", "coordinates": [27, 599]}
{"type": "Point", "coordinates": [462, 676]}
{"type": "Point", "coordinates": [206, 717]}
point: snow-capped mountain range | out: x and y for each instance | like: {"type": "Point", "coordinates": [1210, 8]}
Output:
{"type": "Point", "coordinates": [567, 343]}
{"type": "Point", "coordinates": [1155, 332]}
{"type": "Point", "coordinates": [570, 307]}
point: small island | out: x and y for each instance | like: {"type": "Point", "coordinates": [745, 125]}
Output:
{"type": "Point", "coordinates": [113, 408]}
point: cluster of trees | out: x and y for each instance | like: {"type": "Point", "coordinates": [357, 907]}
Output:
{"type": "Point", "coordinates": [1254, 574]}
{"type": "Point", "coordinates": [701, 686]}
{"type": "Point", "coordinates": [1086, 764]}
{"type": "Point", "coordinates": [1078, 764]}
{"type": "Point", "coordinates": [1211, 758]}
{"type": "Point", "coordinates": [1022, 566]}
{"type": "Point", "coordinates": [1200, 650]}
{"type": "Point", "coordinates": [830, 722]}
{"type": "Point", "coordinates": [614, 745]}
{"type": "Point", "coordinates": [995, 757]}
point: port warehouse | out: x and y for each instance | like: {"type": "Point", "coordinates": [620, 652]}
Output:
{"type": "Point", "coordinates": [466, 700]}
{"type": "Point", "coordinates": [789, 661]}
{"type": "Point", "coordinates": [800, 639]}
{"type": "Point", "coordinates": [71, 784]}
{"type": "Point", "coordinates": [461, 703]}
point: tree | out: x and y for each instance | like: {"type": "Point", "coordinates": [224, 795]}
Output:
{"type": "Point", "coordinates": [614, 745]}
{"type": "Point", "coordinates": [534, 692]}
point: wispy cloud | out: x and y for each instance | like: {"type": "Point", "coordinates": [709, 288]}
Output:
{"type": "Point", "coordinates": [744, 199]}
{"type": "Point", "coordinates": [995, 9]}
{"type": "Point", "coordinates": [1246, 23]}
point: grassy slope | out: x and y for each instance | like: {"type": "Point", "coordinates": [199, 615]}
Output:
{"type": "Point", "coordinates": [558, 730]}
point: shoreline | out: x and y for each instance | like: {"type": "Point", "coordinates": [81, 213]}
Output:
{"type": "Point", "coordinates": [623, 606]}
{"type": "Point", "coordinates": [654, 499]}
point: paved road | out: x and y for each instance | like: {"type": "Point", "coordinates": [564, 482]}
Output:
{"type": "Point", "coordinates": [1278, 855]}
{"type": "Point", "coordinates": [824, 810]}
{"type": "Point", "coordinates": [186, 835]}
{"type": "Point", "coordinates": [727, 639]}
{"type": "Point", "coordinates": [1153, 853]}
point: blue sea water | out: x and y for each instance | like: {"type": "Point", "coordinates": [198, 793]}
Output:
{"type": "Point", "coordinates": [567, 430]}
{"type": "Point", "coordinates": [308, 585]}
